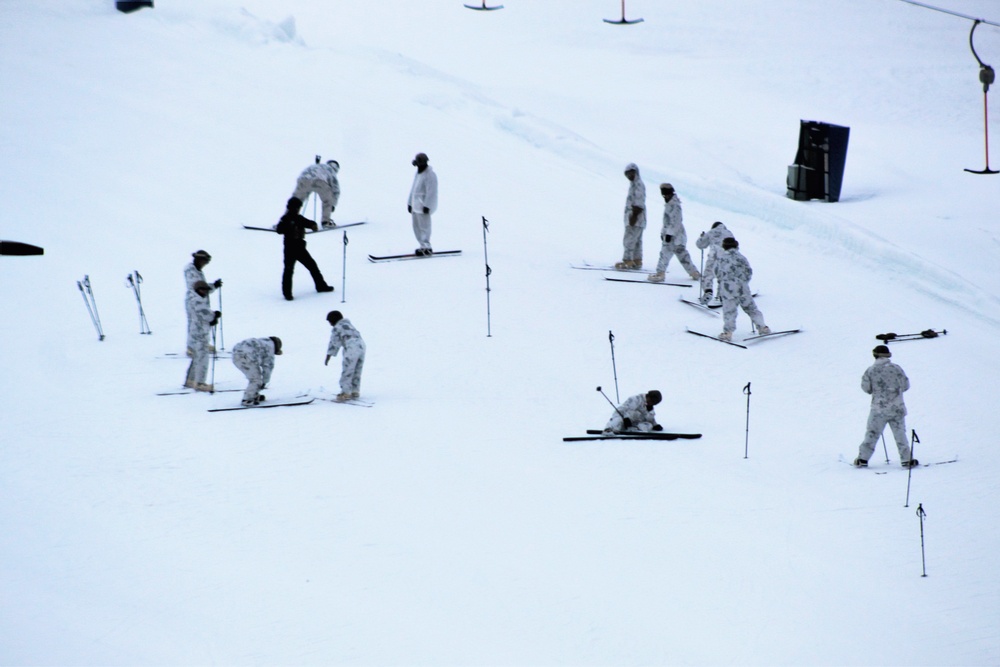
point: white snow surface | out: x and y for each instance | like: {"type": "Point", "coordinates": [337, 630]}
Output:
{"type": "Point", "coordinates": [450, 524]}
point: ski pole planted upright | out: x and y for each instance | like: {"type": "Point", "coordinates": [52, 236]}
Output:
{"type": "Point", "coordinates": [343, 276]}
{"type": "Point", "coordinates": [489, 272]}
{"type": "Point", "coordinates": [88, 299]}
{"type": "Point", "coordinates": [222, 337]}
{"type": "Point", "coordinates": [909, 472]}
{"type": "Point", "coordinates": [614, 367]}
{"type": "Point", "coordinates": [746, 441]}
{"type": "Point", "coordinates": [134, 280]}
{"type": "Point", "coordinates": [923, 558]}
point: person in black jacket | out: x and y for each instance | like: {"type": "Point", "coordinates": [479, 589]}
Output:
{"type": "Point", "coordinates": [293, 227]}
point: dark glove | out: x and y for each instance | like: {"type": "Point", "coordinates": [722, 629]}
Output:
{"type": "Point", "coordinates": [626, 423]}
{"type": "Point", "coordinates": [312, 225]}
{"type": "Point", "coordinates": [332, 209]}
{"type": "Point", "coordinates": [657, 427]}
{"type": "Point", "coordinates": [218, 283]}
{"type": "Point", "coordinates": [409, 209]}
{"type": "Point", "coordinates": [667, 238]}
{"type": "Point", "coordinates": [426, 210]}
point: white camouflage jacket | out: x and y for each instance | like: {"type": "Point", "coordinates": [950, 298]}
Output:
{"type": "Point", "coordinates": [886, 382]}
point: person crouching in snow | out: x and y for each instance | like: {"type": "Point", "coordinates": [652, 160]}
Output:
{"type": "Point", "coordinates": [201, 319]}
{"type": "Point", "coordinates": [734, 275]}
{"type": "Point", "coordinates": [344, 335]}
{"type": "Point", "coordinates": [674, 237]}
{"type": "Point", "coordinates": [255, 359]}
{"type": "Point", "coordinates": [636, 414]}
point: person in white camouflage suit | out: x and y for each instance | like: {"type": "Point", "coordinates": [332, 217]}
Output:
{"type": "Point", "coordinates": [636, 414]}
{"type": "Point", "coordinates": [201, 319]}
{"type": "Point", "coordinates": [711, 240]}
{"type": "Point", "coordinates": [635, 219]}
{"type": "Point", "coordinates": [734, 273]}
{"type": "Point", "coordinates": [673, 236]}
{"type": "Point", "coordinates": [423, 202]}
{"type": "Point", "coordinates": [255, 359]}
{"type": "Point", "coordinates": [320, 178]}
{"type": "Point", "coordinates": [345, 336]}
{"type": "Point", "coordinates": [886, 382]}
{"type": "Point", "coordinates": [192, 275]}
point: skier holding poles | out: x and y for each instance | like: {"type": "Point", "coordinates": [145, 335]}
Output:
{"type": "Point", "coordinates": [673, 236]}
{"type": "Point", "coordinates": [201, 320]}
{"type": "Point", "coordinates": [192, 276]}
{"type": "Point", "coordinates": [886, 382]}
{"type": "Point", "coordinates": [635, 414]}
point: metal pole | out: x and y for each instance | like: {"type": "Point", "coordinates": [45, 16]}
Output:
{"type": "Point", "coordinates": [613, 405]}
{"type": "Point", "coordinates": [614, 367]}
{"type": "Point", "coordinates": [909, 471]}
{"type": "Point", "coordinates": [923, 557]}
{"type": "Point", "coordinates": [489, 272]}
{"type": "Point", "coordinates": [746, 442]}
{"type": "Point", "coordinates": [343, 277]}
{"type": "Point", "coordinates": [222, 336]}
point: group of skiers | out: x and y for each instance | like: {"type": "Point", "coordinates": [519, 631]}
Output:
{"type": "Point", "coordinates": [726, 266]}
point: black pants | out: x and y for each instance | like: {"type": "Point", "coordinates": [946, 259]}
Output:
{"type": "Point", "coordinates": [298, 253]}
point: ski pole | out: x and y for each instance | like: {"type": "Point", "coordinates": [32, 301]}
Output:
{"type": "Point", "coordinates": [222, 337]}
{"type": "Point", "coordinates": [215, 355]}
{"type": "Point", "coordinates": [489, 271]}
{"type": "Point", "coordinates": [884, 448]}
{"type": "Point", "coordinates": [91, 305]}
{"type": "Point", "coordinates": [614, 367]}
{"type": "Point", "coordinates": [909, 472]}
{"type": "Point", "coordinates": [614, 406]}
{"type": "Point", "coordinates": [746, 442]}
{"type": "Point", "coordinates": [138, 296]}
{"type": "Point", "coordinates": [86, 302]}
{"type": "Point", "coordinates": [93, 301]}
{"type": "Point", "coordinates": [923, 557]}
{"type": "Point", "coordinates": [343, 276]}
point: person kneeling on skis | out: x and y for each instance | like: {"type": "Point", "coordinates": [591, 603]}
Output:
{"type": "Point", "coordinates": [636, 414]}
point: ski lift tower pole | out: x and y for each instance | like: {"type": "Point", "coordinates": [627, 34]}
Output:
{"type": "Point", "coordinates": [986, 76]}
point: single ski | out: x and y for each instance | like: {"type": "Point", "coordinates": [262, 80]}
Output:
{"type": "Point", "coordinates": [892, 337]}
{"type": "Point", "coordinates": [648, 437]}
{"type": "Point", "coordinates": [711, 310]}
{"type": "Point", "coordinates": [397, 258]}
{"type": "Point", "coordinates": [360, 402]}
{"type": "Point", "coordinates": [587, 266]}
{"type": "Point", "coordinates": [771, 335]}
{"type": "Point", "coordinates": [321, 229]}
{"type": "Point", "coordinates": [182, 355]}
{"type": "Point", "coordinates": [182, 392]}
{"type": "Point", "coordinates": [283, 404]}
{"type": "Point", "coordinates": [895, 467]}
{"type": "Point", "coordinates": [651, 435]}
{"type": "Point", "coordinates": [705, 335]}
{"type": "Point", "coordinates": [644, 282]}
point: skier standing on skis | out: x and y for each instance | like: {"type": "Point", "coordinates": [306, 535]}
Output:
{"type": "Point", "coordinates": [423, 202]}
{"type": "Point", "coordinates": [635, 219]}
{"type": "Point", "coordinates": [344, 335]}
{"type": "Point", "coordinates": [321, 179]}
{"type": "Point", "coordinates": [636, 414]}
{"type": "Point", "coordinates": [293, 227]}
{"type": "Point", "coordinates": [886, 382]}
{"type": "Point", "coordinates": [255, 359]}
{"type": "Point", "coordinates": [712, 240]}
{"type": "Point", "coordinates": [201, 319]}
{"type": "Point", "coordinates": [673, 236]}
{"type": "Point", "coordinates": [734, 273]}
{"type": "Point", "coordinates": [192, 276]}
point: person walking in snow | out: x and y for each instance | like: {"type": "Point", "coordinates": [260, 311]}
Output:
{"type": "Point", "coordinates": [201, 319]}
{"type": "Point", "coordinates": [673, 236]}
{"type": "Point", "coordinates": [293, 227]}
{"type": "Point", "coordinates": [255, 359]}
{"type": "Point", "coordinates": [423, 202]}
{"type": "Point", "coordinates": [320, 178]}
{"type": "Point", "coordinates": [192, 276]}
{"type": "Point", "coordinates": [635, 219]}
{"type": "Point", "coordinates": [636, 414]}
{"type": "Point", "coordinates": [886, 382]}
{"type": "Point", "coordinates": [734, 273]}
{"type": "Point", "coordinates": [345, 336]}
{"type": "Point", "coordinates": [712, 240]}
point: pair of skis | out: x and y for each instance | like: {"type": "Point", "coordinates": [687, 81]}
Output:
{"type": "Point", "coordinates": [318, 231]}
{"type": "Point", "coordinates": [399, 258]}
{"type": "Point", "coordinates": [748, 339]}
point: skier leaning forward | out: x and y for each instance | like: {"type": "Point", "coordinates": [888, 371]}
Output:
{"type": "Point", "coordinates": [886, 382]}
{"type": "Point", "coordinates": [636, 414]}
{"type": "Point", "coordinates": [255, 359]}
{"type": "Point", "coordinates": [734, 273]}
{"type": "Point", "coordinates": [711, 240]}
{"type": "Point", "coordinates": [344, 335]}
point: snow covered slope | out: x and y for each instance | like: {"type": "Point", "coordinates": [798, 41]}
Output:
{"type": "Point", "coordinates": [449, 524]}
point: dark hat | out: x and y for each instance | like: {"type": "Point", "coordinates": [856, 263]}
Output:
{"type": "Point", "coordinates": [293, 204]}
{"type": "Point", "coordinates": [277, 344]}
{"type": "Point", "coordinates": [665, 187]}
{"type": "Point", "coordinates": [881, 351]}
{"type": "Point", "coordinates": [654, 397]}
{"type": "Point", "coordinates": [334, 316]}
{"type": "Point", "coordinates": [729, 242]}
{"type": "Point", "coordinates": [201, 254]}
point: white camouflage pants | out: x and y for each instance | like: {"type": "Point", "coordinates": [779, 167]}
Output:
{"type": "Point", "coordinates": [708, 274]}
{"type": "Point", "coordinates": [668, 250]}
{"type": "Point", "coordinates": [350, 374]}
{"type": "Point", "coordinates": [251, 369]}
{"type": "Point", "coordinates": [876, 425]}
{"type": "Point", "coordinates": [422, 229]}
{"type": "Point", "coordinates": [306, 186]}
{"type": "Point", "coordinates": [632, 241]}
{"type": "Point", "coordinates": [742, 300]}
